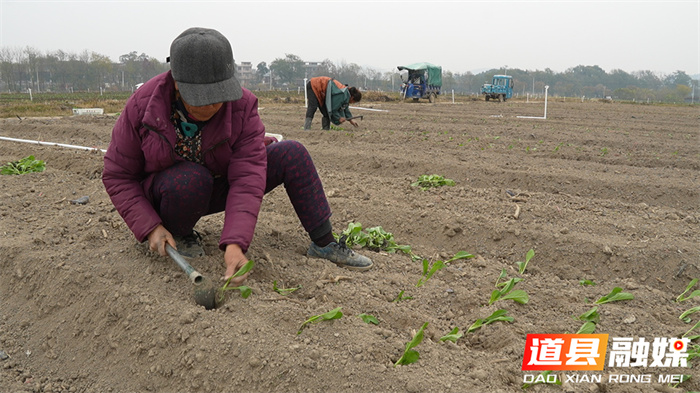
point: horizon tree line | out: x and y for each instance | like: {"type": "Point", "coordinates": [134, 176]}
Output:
{"type": "Point", "coordinates": [60, 71]}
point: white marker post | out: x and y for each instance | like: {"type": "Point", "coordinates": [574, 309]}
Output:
{"type": "Point", "coordinates": [546, 88]}
{"type": "Point", "coordinates": [306, 99]}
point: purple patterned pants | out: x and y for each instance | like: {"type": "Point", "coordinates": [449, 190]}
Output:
{"type": "Point", "coordinates": [185, 192]}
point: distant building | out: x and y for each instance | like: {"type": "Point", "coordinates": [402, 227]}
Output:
{"type": "Point", "coordinates": [245, 75]}
{"type": "Point", "coordinates": [310, 68]}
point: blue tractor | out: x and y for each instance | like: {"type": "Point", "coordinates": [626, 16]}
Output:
{"type": "Point", "coordinates": [421, 80]}
{"type": "Point", "coordinates": [501, 88]}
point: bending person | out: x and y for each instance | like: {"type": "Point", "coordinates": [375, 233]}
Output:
{"type": "Point", "coordinates": [332, 98]}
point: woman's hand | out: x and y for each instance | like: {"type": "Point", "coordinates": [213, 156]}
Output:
{"type": "Point", "coordinates": [158, 238]}
{"type": "Point", "coordinates": [234, 258]}
{"type": "Point", "coordinates": [351, 121]}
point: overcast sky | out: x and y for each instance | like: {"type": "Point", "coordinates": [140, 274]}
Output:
{"type": "Point", "coordinates": [461, 36]}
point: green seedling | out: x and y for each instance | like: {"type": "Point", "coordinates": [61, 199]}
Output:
{"type": "Point", "coordinates": [695, 293]}
{"type": "Point", "coordinates": [684, 378]}
{"type": "Point", "coordinates": [614, 296]}
{"type": "Point", "coordinates": [587, 328]}
{"type": "Point", "coordinates": [369, 318]}
{"type": "Point", "coordinates": [685, 317]}
{"type": "Point", "coordinates": [509, 283]}
{"type": "Point", "coordinates": [584, 283]}
{"type": "Point", "coordinates": [283, 291]}
{"type": "Point", "coordinates": [401, 297]}
{"type": "Point", "coordinates": [375, 239]}
{"type": "Point", "coordinates": [409, 354]}
{"type": "Point", "coordinates": [693, 350]}
{"type": "Point", "coordinates": [697, 325]}
{"type": "Point", "coordinates": [245, 291]}
{"type": "Point", "coordinates": [523, 265]}
{"type": "Point", "coordinates": [26, 165]}
{"type": "Point", "coordinates": [333, 314]}
{"type": "Point", "coordinates": [507, 292]}
{"type": "Point", "coordinates": [431, 181]}
{"type": "Point", "coordinates": [590, 315]}
{"type": "Point", "coordinates": [518, 296]}
{"type": "Point", "coordinates": [453, 336]}
{"type": "Point", "coordinates": [501, 276]}
{"type": "Point", "coordinates": [541, 378]}
{"type": "Point", "coordinates": [429, 270]}
{"type": "Point", "coordinates": [460, 255]}
{"type": "Point", "coordinates": [498, 315]}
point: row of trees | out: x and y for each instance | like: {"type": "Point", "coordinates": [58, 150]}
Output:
{"type": "Point", "coordinates": [587, 81]}
{"type": "Point", "coordinates": [59, 71]}
{"type": "Point", "coordinates": [22, 69]}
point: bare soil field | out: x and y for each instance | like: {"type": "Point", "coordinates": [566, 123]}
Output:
{"type": "Point", "coordinates": [606, 192]}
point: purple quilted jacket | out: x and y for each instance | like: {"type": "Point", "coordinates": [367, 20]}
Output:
{"type": "Point", "coordinates": [143, 141]}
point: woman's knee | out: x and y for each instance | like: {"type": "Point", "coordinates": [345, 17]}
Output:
{"type": "Point", "coordinates": [186, 176]}
{"type": "Point", "coordinates": [286, 151]}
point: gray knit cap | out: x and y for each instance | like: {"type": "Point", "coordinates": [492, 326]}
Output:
{"type": "Point", "coordinates": [201, 61]}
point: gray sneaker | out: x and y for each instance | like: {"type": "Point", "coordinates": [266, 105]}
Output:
{"type": "Point", "coordinates": [341, 255]}
{"type": "Point", "coordinates": [190, 246]}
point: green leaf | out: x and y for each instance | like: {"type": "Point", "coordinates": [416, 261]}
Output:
{"type": "Point", "coordinates": [396, 247]}
{"type": "Point", "coordinates": [245, 291]}
{"type": "Point", "coordinates": [283, 291]}
{"type": "Point", "coordinates": [453, 336]}
{"type": "Point", "coordinates": [333, 314]}
{"type": "Point", "coordinates": [695, 293]}
{"type": "Point", "coordinates": [243, 270]}
{"type": "Point", "coordinates": [501, 276]}
{"type": "Point", "coordinates": [508, 285]}
{"type": "Point", "coordinates": [684, 378]}
{"type": "Point", "coordinates": [529, 255]}
{"type": "Point", "coordinates": [401, 297]}
{"type": "Point", "coordinates": [518, 295]}
{"type": "Point", "coordinates": [615, 295]}
{"type": "Point", "coordinates": [691, 329]}
{"type": "Point", "coordinates": [429, 273]}
{"type": "Point", "coordinates": [586, 282]}
{"type": "Point", "coordinates": [436, 266]}
{"type": "Point", "coordinates": [692, 295]}
{"type": "Point", "coordinates": [409, 356]}
{"type": "Point", "coordinates": [587, 328]}
{"type": "Point", "coordinates": [688, 312]}
{"type": "Point", "coordinates": [476, 325]}
{"type": "Point", "coordinates": [460, 255]}
{"type": "Point", "coordinates": [523, 265]}
{"type": "Point", "coordinates": [369, 318]}
{"type": "Point", "coordinates": [497, 316]}
{"type": "Point", "coordinates": [590, 315]}
{"type": "Point", "coordinates": [495, 295]}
